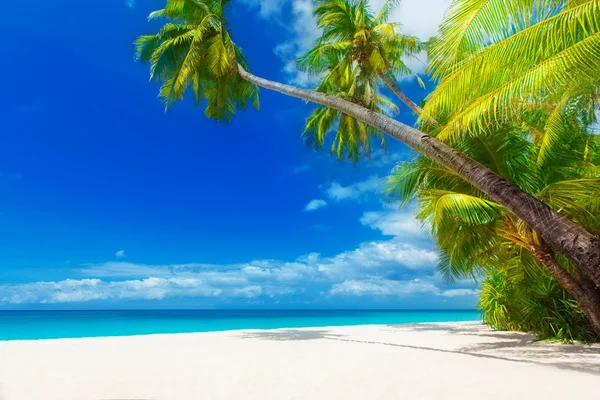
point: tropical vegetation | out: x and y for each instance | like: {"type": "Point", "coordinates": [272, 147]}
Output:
{"type": "Point", "coordinates": [517, 91]}
{"type": "Point", "coordinates": [475, 99]}
{"type": "Point", "coordinates": [525, 285]}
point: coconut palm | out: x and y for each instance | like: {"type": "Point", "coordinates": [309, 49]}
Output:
{"type": "Point", "coordinates": [194, 51]}
{"type": "Point", "coordinates": [351, 135]}
{"type": "Point", "coordinates": [352, 33]}
{"type": "Point", "coordinates": [498, 61]}
{"type": "Point", "coordinates": [479, 237]}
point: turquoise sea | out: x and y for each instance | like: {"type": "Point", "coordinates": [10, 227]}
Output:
{"type": "Point", "coordinates": [27, 325]}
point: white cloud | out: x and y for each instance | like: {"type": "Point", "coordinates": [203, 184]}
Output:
{"type": "Point", "coordinates": [419, 18]}
{"type": "Point", "coordinates": [120, 254]}
{"type": "Point", "coordinates": [399, 267]}
{"type": "Point", "coordinates": [130, 4]}
{"type": "Point", "coordinates": [383, 287]}
{"type": "Point", "coordinates": [399, 223]}
{"type": "Point", "coordinates": [83, 290]}
{"type": "Point", "coordinates": [249, 292]}
{"type": "Point", "coordinates": [459, 292]}
{"type": "Point", "coordinates": [155, 288]}
{"type": "Point", "coordinates": [394, 288]}
{"type": "Point", "coordinates": [315, 204]}
{"type": "Point", "coordinates": [354, 191]}
{"type": "Point", "coordinates": [378, 258]}
{"type": "Point", "coordinates": [253, 280]}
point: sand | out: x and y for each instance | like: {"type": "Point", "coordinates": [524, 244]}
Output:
{"type": "Point", "coordinates": [423, 361]}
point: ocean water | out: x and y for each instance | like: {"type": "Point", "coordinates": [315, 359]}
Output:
{"type": "Point", "coordinates": [28, 325]}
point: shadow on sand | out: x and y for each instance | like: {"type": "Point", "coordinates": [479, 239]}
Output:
{"type": "Point", "coordinates": [512, 346]}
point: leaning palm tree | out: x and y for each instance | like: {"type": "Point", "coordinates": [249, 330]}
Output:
{"type": "Point", "coordinates": [479, 237]}
{"type": "Point", "coordinates": [194, 51]}
{"type": "Point", "coordinates": [351, 33]}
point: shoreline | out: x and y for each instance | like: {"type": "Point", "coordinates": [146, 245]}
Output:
{"type": "Point", "coordinates": [451, 360]}
{"type": "Point", "coordinates": [238, 330]}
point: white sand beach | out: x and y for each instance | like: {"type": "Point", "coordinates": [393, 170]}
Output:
{"type": "Point", "coordinates": [421, 361]}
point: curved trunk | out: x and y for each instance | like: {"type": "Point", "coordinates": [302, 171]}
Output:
{"type": "Point", "coordinates": [394, 88]}
{"type": "Point", "coordinates": [561, 234]}
{"type": "Point", "coordinates": [589, 305]}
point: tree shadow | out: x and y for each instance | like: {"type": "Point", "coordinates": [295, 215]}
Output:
{"type": "Point", "coordinates": [519, 348]}
{"type": "Point", "coordinates": [290, 334]}
{"type": "Point", "coordinates": [475, 329]}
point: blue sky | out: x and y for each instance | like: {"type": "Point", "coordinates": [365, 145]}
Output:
{"type": "Point", "coordinates": [108, 202]}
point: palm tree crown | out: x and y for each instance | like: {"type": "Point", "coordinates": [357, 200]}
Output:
{"type": "Point", "coordinates": [499, 61]}
{"type": "Point", "coordinates": [353, 34]}
{"type": "Point", "coordinates": [195, 51]}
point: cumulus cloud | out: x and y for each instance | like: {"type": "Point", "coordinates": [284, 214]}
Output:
{"type": "Point", "coordinates": [379, 258]}
{"type": "Point", "coordinates": [354, 191]}
{"type": "Point", "coordinates": [394, 222]}
{"type": "Point", "coordinates": [392, 288]}
{"type": "Point", "coordinates": [84, 290]}
{"type": "Point", "coordinates": [315, 204]}
{"type": "Point", "coordinates": [383, 287]}
{"type": "Point", "coordinates": [417, 22]}
{"type": "Point", "coordinates": [120, 254]}
{"type": "Point", "coordinates": [419, 18]}
{"type": "Point", "coordinates": [391, 260]}
{"type": "Point", "coordinates": [459, 292]}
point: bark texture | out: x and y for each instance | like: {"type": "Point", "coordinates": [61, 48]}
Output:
{"type": "Point", "coordinates": [590, 289]}
{"type": "Point", "coordinates": [587, 303]}
{"type": "Point", "coordinates": [561, 234]}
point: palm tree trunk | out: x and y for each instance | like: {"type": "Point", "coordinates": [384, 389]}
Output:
{"type": "Point", "coordinates": [403, 98]}
{"type": "Point", "coordinates": [590, 289]}
{"type": "Point", "coordinates": [561, 234]}
{"type": "Point", "coordinates": [589, 305]}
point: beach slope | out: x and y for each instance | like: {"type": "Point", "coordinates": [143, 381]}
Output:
{"type": "Point", "coordinates": [421, 361]}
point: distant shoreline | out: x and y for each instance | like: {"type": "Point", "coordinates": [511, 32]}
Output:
{"type": "Point", "coordinates": [36, 325]}
{"type": "Point", "coordinates": [245, 330]}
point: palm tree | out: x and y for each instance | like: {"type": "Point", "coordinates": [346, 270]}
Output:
{"type": "Point", "coordinates": [479, 237]}
{"type": "Point", "coordinates": [498, 61]}
{"type": "Point", "coordinates": [351, 135]}
{"type": "Point", "coordinates": [353, 34]}
{"type": "Point", "coordinates": [195, 51]}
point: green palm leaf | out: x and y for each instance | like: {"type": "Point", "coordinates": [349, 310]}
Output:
{"type": "Point", "coordinates": [194, 51]}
